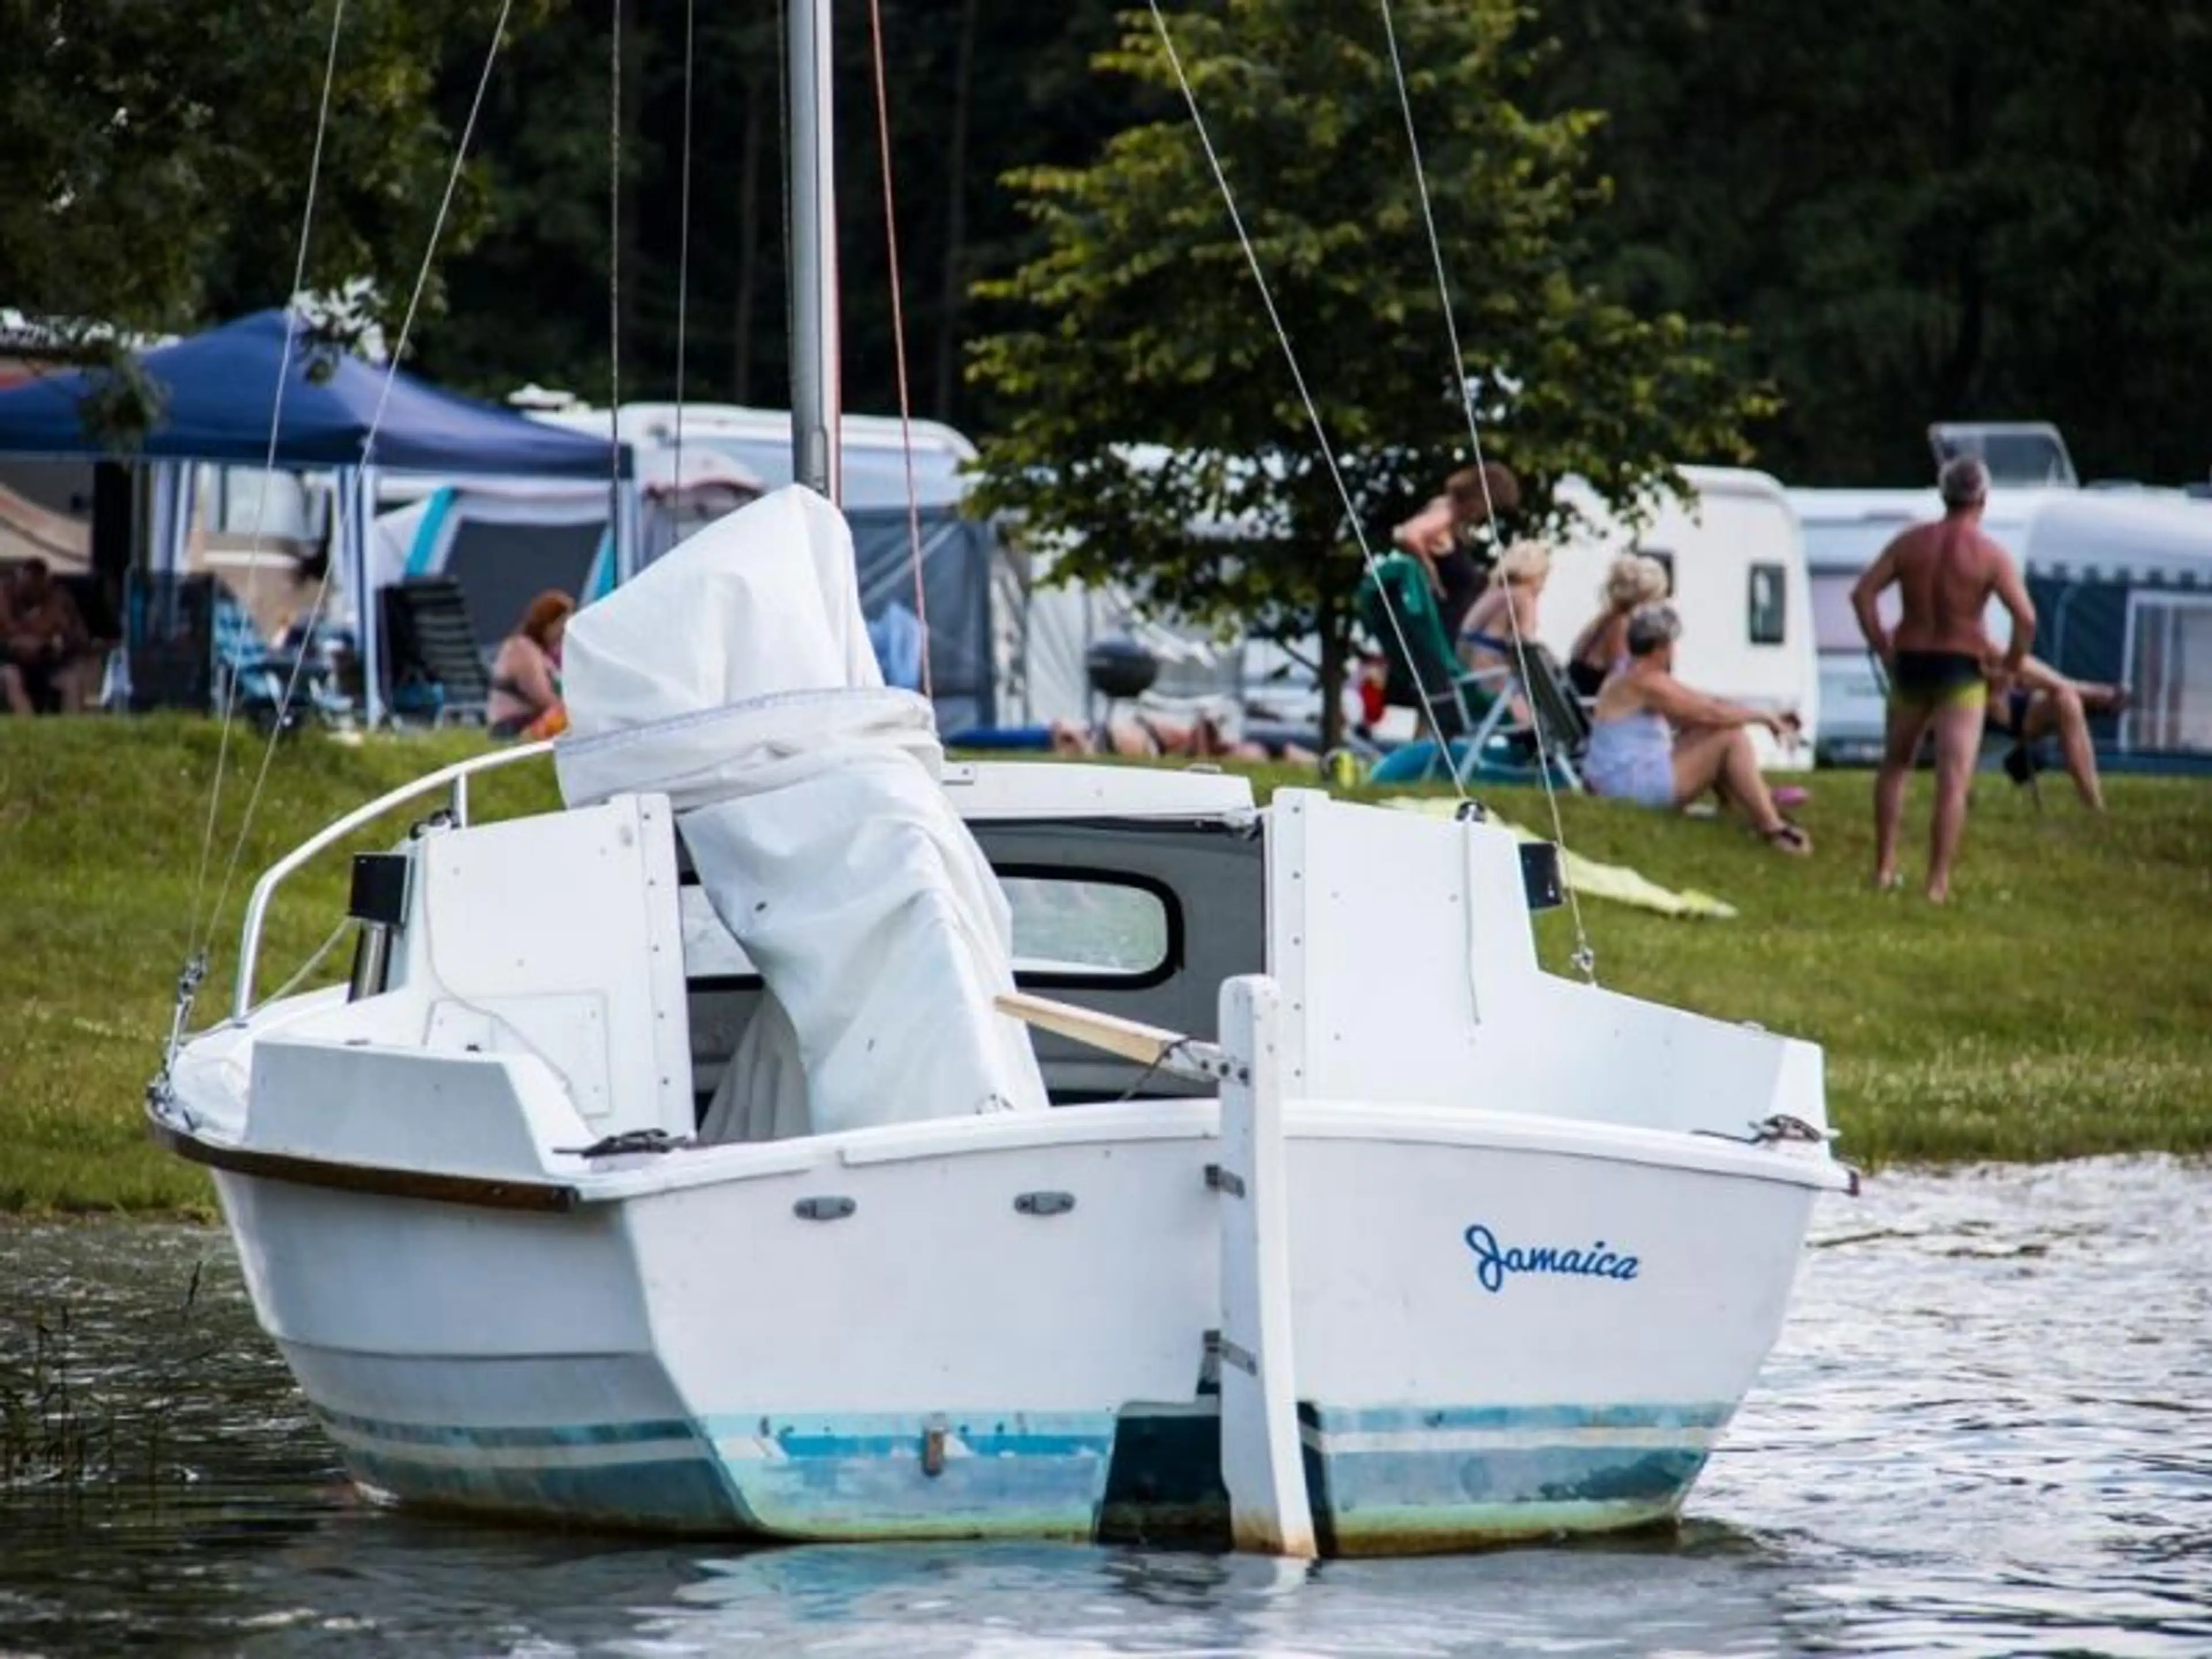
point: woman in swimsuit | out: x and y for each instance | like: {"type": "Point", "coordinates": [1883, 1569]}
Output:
{"type": "Point", "coordinates": [1506, 615]}
{"type": "Point", "coordinates": [1601, 648]}
{"type": "Point", "coordinates": [1655, 742]}
{"type": "Point", "coordinates": [525, 675]}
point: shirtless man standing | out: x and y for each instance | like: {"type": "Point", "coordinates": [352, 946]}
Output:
{"type": "Point", "coordinates": [1945, 573]}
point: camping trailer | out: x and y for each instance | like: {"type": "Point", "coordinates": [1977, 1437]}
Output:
{"type": "Point", "coordinates": [961, 556]}
{"type": "Point", "coordinates": [2019, 454]}
{"type": "Point", "coordinates": [2123, 591]}
{"type": "Point", "coordinates": [2122, 585]}
{"type": "Point", "coordinates": [1736, 568]}
{"type": "Point", "coordinates": [872, 448]}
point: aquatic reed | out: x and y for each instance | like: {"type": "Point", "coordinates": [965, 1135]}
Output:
{"type": "Point", "coordinates": [77, 1416]}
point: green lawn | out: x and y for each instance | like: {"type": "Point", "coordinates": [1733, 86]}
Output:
{"type": "Point", "coordinates": [2062, 1004]}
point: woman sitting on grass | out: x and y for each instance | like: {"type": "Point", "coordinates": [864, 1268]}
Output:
{"type": "Point", "coordinates": [525, 675]}
{"type": "Point", "coordinates": [1657, 743]}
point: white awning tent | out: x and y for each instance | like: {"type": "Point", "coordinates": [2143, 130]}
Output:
{"type": "Point", "coordinates": [1062, 623]}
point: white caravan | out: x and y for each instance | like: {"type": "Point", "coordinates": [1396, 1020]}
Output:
{"type": "Point", "coordinates": [874, 448]}
{"type": "Point", "coordinates": [1736, 562]}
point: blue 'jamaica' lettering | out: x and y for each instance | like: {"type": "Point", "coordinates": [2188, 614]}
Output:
{"type": "Point", "coordinates": [1494, 1263]}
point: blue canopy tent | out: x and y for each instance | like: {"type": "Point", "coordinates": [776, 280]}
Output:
{"type": "Point", "coordinates": [219, 394]}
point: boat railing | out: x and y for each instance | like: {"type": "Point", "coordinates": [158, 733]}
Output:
{"type": "Point", "coordinates": [455, 777]}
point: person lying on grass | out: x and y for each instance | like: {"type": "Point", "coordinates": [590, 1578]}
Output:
{"type": "Point", "coordinates": [1204, 738]}
{"type": "Point", "coordinates": [1657, 743]}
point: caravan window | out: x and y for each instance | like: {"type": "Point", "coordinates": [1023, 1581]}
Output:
{"type": "Point", "coordinates": [1769, 603]}
{"type": "Point", "coordinates": [1082, 927]}
{"type": "Point", "coordinates": [2169, 671]}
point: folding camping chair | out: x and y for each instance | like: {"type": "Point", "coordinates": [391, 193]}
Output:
{"type": "Point", "coordinates": [1397, 609]}
{"type": "Point", "coordinates": [252, 677]}
{"type": "Point", "coordinates": [434, 667]}
{"type": "Point", "coordinates": [1553, 704]}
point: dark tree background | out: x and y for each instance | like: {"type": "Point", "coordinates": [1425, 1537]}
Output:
{"type": "Point", "coordinates": [1915, 212]}
{"type": "Point", "coordinates": [1922, 212]}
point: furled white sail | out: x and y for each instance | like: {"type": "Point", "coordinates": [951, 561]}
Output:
{"type": "Point", "coordinates": [735, 676]}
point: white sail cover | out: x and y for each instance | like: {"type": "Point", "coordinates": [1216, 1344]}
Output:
{"type": "Point", "coordinates": [735, 676]}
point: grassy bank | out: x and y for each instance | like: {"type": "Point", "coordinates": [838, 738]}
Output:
{"type": "Point", "coordinates": [2062, 1005]}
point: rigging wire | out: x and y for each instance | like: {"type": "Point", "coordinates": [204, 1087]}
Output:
{"type": "Point", "coordinates": [783, 147]}
{"type": "Point", "coordinates": [1585, 959]}
{"type": "Point", "coordinates": [195, 946]}
{"type": "Point", "coordinates": [683, 250]}
{"type": "Point", "coordinates": [305, 969]}
{"type": "Point", "coordinates": [1305, 396]}
{"type": "Point", "coordinates": [898, 340]}
{"type": "Point", "coordinates": [614, 283]}
{"type": "Point", "coordinates": [359, 504]}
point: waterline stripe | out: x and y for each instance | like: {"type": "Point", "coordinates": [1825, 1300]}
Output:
{"type": "Point", "coordinates": [1359, 1443]}
{"type": "Point", "coordinates": [1709, 1414]}
{"type": "Point", "coordinates": [470, 1454]}
{"type": "Point", "coordinates": [434, 1434]}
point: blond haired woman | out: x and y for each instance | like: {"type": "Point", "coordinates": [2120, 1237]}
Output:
{"type": "Point", "coordinates": [1507, 612]}
{"type": "Point", "coordinates": [1632, 580]}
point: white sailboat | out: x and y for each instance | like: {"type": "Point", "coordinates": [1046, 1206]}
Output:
{"type": "Point", "coordinates": [800, 1136]}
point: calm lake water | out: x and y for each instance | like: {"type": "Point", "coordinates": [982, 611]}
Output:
{"type": "Point", "coordinates": [1988, 1430]}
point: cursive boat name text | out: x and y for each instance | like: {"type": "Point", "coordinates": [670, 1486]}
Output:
{"type": "Point", "coordinates": [1494, 1263]}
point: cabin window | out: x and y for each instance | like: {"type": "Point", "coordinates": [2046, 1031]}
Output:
{"type": "Point", "coordinates": [1770, 594]}
{"type": "Point", "coordinates": [1074, 927]}
{"type": "Point", "coordinates": [2169, 673]}
{"type": "Point", "coordinates": [712, 957]}
{"type": "Point", "coordinates": [1666, 561]}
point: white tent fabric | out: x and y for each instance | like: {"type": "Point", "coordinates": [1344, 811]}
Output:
{"type": "Point", "coordinates": [735, 675]}
{"type": "Point", "coordinates": [175, 491]}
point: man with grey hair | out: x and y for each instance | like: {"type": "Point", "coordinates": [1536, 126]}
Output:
{"type": "Point", "coordinates": [1945, 573]}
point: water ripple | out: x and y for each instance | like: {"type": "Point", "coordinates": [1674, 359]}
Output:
{"type": "Point", "coordinates": [1981, 1434]}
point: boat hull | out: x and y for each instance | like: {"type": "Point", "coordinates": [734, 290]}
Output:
{"type": "Point", "coordinates": [1502, 1330]}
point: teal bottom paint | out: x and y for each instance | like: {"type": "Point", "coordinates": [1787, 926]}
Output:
{"type": "Point", "coordinates": [1399, 1479]}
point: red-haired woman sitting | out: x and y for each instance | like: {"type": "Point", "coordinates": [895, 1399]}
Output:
{"type": "Point", "coordinates": [525, 675]}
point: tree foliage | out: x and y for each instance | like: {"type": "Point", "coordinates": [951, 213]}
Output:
{"type": "Point", "coordinates": [1138, 323]}
{"type": "Point", "coordinates": [1922, 213]}
{"type": "Point", "coordinates": [1913, 213]}
{"type": "Point", "coordinates": [158, 155]}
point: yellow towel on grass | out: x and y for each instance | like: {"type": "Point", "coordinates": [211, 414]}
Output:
{"type": "Point", "coordinates": [1588, 877]}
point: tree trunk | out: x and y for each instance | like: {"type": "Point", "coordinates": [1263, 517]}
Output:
{"type": "Point", "coordinates": [741, 368]}
{"type": "Point", "coordinates": [1332, 622]}
{"type": "Point", "coordinates": [953, 294]}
